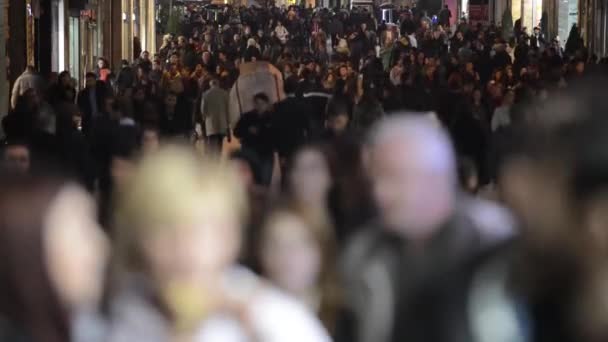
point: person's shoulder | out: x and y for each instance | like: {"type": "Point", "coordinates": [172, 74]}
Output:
{"type": "Point", "coordinates": [360, 246]}
{"type": "Point", "coordinates": [274, 315]}
{"type": "Point", "coordinates": [281, 318]}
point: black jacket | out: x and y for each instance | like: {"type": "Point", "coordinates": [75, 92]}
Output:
{"type": "Point", "coordinates": [86, 108]}
{"type": "Point", "coordinates": [256, 132]}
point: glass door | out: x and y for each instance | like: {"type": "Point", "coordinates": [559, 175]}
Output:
{"type": "Point", "coordinates": [74, 59]}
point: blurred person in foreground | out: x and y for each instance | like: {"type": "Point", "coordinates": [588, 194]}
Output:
{"type": "Point", "coordinates": [52, 261]}
{"type": "Point", "coordinates": [179, 233]}
{"type": "Point", "coordinates": [298, 254]}
{"type": "Point", "coordinates": [550, 283]}
{"type": "Point", "coordinates": [16, 157]}
{"type": "Point", "coordinates": [402, 269]}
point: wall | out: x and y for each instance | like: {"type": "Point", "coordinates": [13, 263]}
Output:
{"type": "Point", "coordinates": [4, 89]}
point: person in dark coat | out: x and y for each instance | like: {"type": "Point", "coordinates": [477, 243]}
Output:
{"type": "Point", "coordinates": [400, 267]}
{"type": "Point", "coordinates": [255, 131]}
{"type": "Point", "coordinates": [290, 122]}
{"type": "Point", "coordinates": [91, 101]}
{"type": "Point", "coordinates": [175, 120]}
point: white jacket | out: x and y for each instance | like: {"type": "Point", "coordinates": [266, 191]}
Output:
{"type": "Point", "coordinates": [272, 317]}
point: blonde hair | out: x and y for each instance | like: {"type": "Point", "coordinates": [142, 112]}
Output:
{"type": "Point", "coordinates": [173, 188]}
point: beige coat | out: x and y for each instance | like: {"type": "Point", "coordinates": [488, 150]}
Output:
{"type": "Point", "coordinates": [27, 80]}
{"type": "Point", "coordinates": [255, 77]}
{"type": "Point", "coordinates": [215, 111]}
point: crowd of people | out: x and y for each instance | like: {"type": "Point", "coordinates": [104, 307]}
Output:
{"type": "Point", "coordinates": [299, 174]}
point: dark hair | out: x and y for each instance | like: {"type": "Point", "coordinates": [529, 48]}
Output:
{"type": "Point", "coordinates": [262, 97]}
{"type": "Point", "coordinates": [29, 301]}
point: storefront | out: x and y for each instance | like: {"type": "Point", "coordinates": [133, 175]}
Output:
{"type": "Point", "coordinates": [138, 28]}
{"type": "Point", "coordinates": [594, 25]}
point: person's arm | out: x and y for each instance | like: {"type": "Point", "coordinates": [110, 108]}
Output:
{"type": "Point", "coordinates": [496, 120]}
{"type": "Point", "coordinates": [240, 130]}
{"type": "Point", "coordinates": [203, 109]}
{"type": "Point", "coordinates": [15, 94]}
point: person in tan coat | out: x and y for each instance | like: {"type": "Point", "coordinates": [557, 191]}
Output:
{"type": "Point", "coordinates": [216, 116]}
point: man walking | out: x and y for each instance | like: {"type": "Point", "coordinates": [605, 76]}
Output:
{"type": "Point", "coordinates": [215, 116]}
{"type": "Point", "coordinates": [28, 80]}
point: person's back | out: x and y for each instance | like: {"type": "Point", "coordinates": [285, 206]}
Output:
{"type": "Point", "coordinates": [291, 125]}
{"type": "Point", "coordinates": [27, 80]}
{"type": "Point", "coordinates": [215, 111]}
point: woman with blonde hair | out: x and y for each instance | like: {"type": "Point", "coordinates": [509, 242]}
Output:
{"type": "Point", "coordinates": [179, 234]}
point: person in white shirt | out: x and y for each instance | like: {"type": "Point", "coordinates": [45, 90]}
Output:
{"type": "Point", "coordinates": [180, 223]}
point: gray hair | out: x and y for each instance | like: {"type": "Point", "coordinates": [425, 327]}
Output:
{"type": "Point", "coordinates": [421, 129]}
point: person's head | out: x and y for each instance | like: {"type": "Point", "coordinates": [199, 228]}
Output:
{"type": "Point", "coordinates": [214, 83]}
{"type": "Point", "coordinates": [343, 71]}
{"type": "Point", "coordinates": [297, 253]}
{"type": "Point", "coordinates": [142, 71]}
{"type": "Point", "coordinates": [337, 116]}
{"type": "Point", "coordinates": [181, 41]}
{"type": "Point", "coordinates": [65, 79]}
{"type": "Point", "coordinates": [413, 173]}
{"type": "Point", "coordinates": [170, 100]}
{"type": "Point", "coordinates": [291, 249]}
{"type": "Point", "coordinates": [145, 55]}
{"type": "Point", "coordinates": [53, 255]}
{"type": "Point", "coordinates": [469, 67]}
{"type": "Point", "coordinates": [309, 178]}
{"type": "Point", "coordinates": [236, 38]}
{"type": "Point", "coordinates": [101, 63]}
{"type": "Point", "coordinates": [174, 59]}
{"type": "Point", "coordinates": [261, 103]}
{"type": "Point", "coordinates": [90, 80]}
{"type": "Point", "coordinates": [16, 157]}
{"type": "Point", "coordinates": [179, 222]}
{"type": "Point", "coordinates": [498, 73]}
{"type": "Point", "coordinates": [156, 66]}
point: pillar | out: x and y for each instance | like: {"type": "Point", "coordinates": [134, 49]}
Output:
{"type": "Point", "coordinates": [17, 39]}
{"type": "Point", "coordinates": [4, 89]}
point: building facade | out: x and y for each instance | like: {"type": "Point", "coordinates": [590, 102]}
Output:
{"type": "Point", "coordinates": [4, 85]}
{"type": "Point", "coordinates": [58, 35]}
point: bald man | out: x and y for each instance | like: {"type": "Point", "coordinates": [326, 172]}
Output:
{"type": "Point", "coordinates": [399, 269]}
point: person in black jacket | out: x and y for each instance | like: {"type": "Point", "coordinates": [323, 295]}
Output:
{"type": "Point", "coordinates": [255, 131]}
{"type": "Point", "coordinates": [290, 123]}
{"type": "Point", "coordinates": [175, 120]}
{"type": "Point", "coordinates": [91, 101]}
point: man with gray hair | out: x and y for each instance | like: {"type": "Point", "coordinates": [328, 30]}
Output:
{"type": "Point", "coordinates": [400, 269]}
